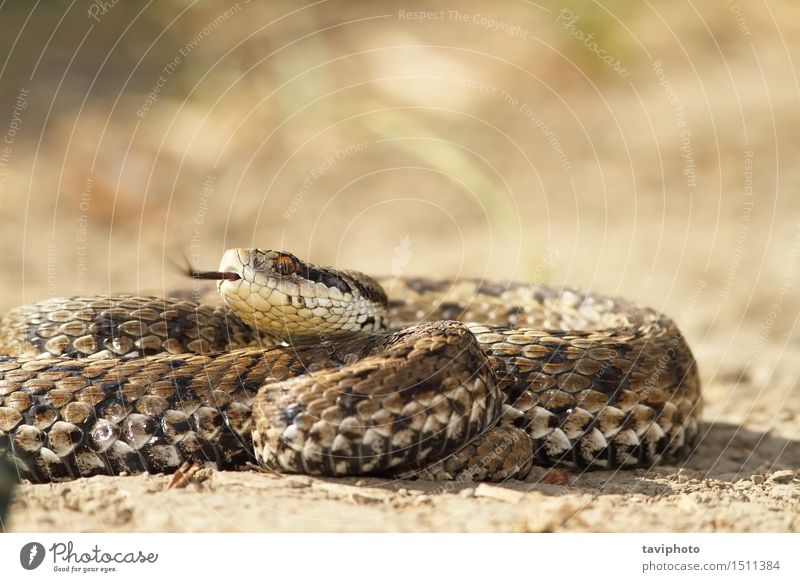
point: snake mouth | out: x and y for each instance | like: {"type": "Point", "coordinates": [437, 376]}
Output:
{"type": "Point", "coordinates": [214, 275]}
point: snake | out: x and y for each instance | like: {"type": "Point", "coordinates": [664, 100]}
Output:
{"type": "Point", "coordinates": [315, 370]}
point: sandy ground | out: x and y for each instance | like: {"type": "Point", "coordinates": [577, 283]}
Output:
{"type": "Point", "coordinates": [742, 478]}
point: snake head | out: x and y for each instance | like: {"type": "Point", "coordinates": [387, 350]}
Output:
{"type": "Point", "coordinates": [284, 297]}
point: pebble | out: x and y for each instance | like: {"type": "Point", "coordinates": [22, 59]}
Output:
{"type": "Point", "coordinates": [687, 505]}
{"type": "Point", "coordinates": [364, 499]}
{"type": "Point", "coordinates": [467, 493]}
{"type": "Point", "coordinates": [784, 492]}
{"type": "Point", "coordinates": [757, 479]}
{"type": "Point", "coordinates": [498, 493]}
{"type": "Point", "coordinates": [700, 497]}
{"type": "Point", "coordinates": [687, 475]}
{"type": "Point", "coordinates": [728, 476]}
{"type": "Point", "coordinates": [786, 476]}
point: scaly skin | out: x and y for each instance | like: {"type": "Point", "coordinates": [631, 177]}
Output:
{"type": "Point", "coordinates": [541, 375]}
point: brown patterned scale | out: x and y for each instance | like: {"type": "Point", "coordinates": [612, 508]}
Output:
{"type": "Point", "coordinates": [541, 375]}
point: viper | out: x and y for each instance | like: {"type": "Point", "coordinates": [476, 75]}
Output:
{"type": "Point", "coordinates": [315, 370]}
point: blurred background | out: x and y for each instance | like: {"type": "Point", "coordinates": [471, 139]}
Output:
{"type": "Point", "coordinates": [645, 149]}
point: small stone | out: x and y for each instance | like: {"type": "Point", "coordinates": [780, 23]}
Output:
{"type": "Point", "coordinates": [468, 493]}
{"type": "Point", "coordinates": [730, 477]}
{"type": "Point", "coordinates": [687, 475]}
{"type": "Point", "coordinates": [298, 482]}
{"type": "Point", "coordinates": [555, 477]}
{"type": "Point", "coordinates": [757, 479]}
{"type": "Point", "coordinates": [786, 492]}
{"type": "Point", "coordinates": [498, 493]}
{"type": "Point", "coordinates": [687, 505]}
{"type": "Point", "coordinates": [701, 498]}
{"type": "Point", "coordinates": [364, 499]}
{"type": "Point", "coordinates": [786, 476]}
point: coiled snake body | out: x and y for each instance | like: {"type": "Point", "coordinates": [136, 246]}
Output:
{"type": "Point", "coordinates": [300, 372]}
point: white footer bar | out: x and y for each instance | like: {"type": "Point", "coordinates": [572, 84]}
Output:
{"type": "Point", "coordinates": [400, 557]}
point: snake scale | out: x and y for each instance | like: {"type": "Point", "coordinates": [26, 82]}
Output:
{"type": "Point", "coordinates": [324, 372]}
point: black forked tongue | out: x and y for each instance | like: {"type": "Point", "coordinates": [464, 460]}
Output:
{"type": "Point", "coordinates": [213, 275]}
{"type": "Point", "coordinates": [186, 269]}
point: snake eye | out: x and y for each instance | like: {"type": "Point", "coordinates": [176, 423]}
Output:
{"type": "Point", "coordinates": [285, 265]}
